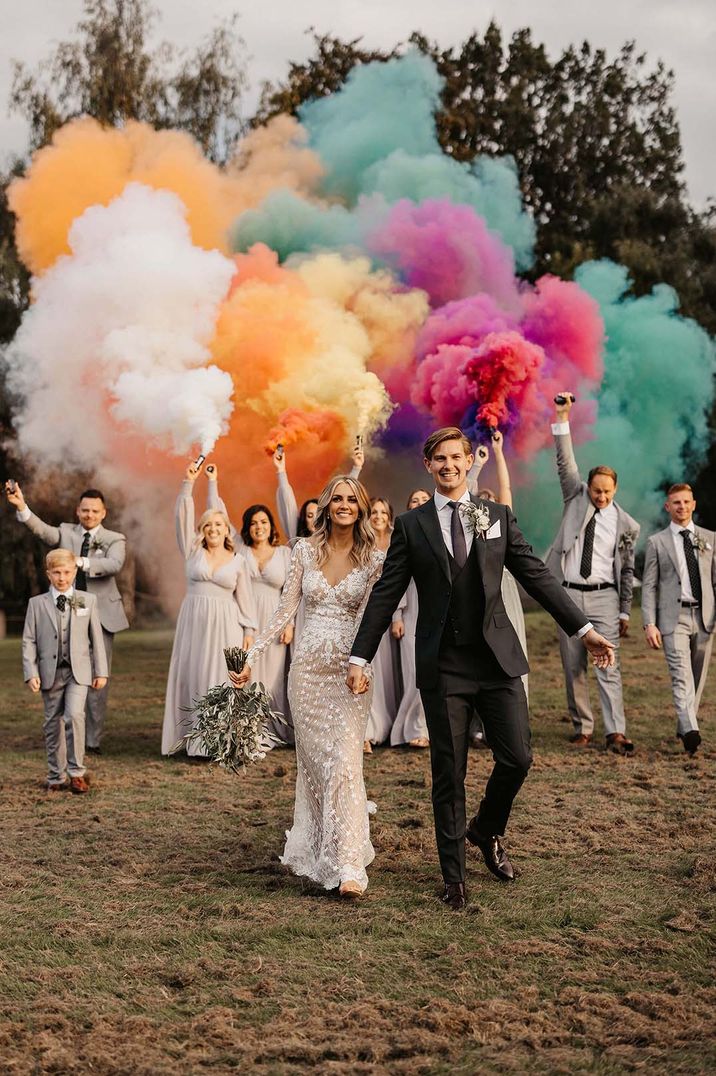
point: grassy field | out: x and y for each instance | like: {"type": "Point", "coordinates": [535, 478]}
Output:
{"type": "Point", "coordinates": [149, 928]}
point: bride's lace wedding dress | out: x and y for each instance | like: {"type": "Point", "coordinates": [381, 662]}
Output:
{"type": "Point", "coordinates": [330, 840]}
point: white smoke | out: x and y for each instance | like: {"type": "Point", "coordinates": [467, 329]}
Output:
{"type": "Point", "coordinates": [116, 341]}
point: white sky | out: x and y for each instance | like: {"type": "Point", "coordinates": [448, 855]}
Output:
{"type": "Point", "coordinates": [680, 32]}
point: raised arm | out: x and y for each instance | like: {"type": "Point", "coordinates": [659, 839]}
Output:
{"type": "Point", "coordinates": [569, 477]}
{"type": "Point", "coordinates": [504, 489]}
{"type": "Point", "coordinates": [215, 503]}
{"type": "Point", "coordinates": [482, 455]}
{"type": "Point", "coordinates": [184, 513]}
{"type": "Point", "coordinates": [285, 497]}
{"type": "Point", "coordinates": [358, 457]}
{"type": "Point", "coordinates": [47, 534]}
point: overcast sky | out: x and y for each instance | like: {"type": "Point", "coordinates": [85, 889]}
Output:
{"type": "Point", "coordinates": [680, 32]}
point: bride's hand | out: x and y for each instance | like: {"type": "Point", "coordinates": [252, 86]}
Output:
{"type": "Point", "coordinates": [239, 679]}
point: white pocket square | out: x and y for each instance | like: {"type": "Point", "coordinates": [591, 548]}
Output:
{"type": "Point", "coordinates": [83, 612]}
{"type": "Point", "coordinates": [494, 531]}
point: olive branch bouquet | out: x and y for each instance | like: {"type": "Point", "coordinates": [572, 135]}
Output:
{"type": "Point", "coordinates": [231, 723]}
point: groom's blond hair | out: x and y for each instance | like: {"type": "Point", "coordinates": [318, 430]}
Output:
{"type": "Point", "coordinates": [447, 433]}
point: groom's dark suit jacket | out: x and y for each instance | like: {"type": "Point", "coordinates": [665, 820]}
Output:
{"type": "Point", "coordinates": [418, 550]}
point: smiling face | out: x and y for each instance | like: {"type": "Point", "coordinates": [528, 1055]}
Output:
{"type": "Point", "coordinates": [601, 490]}
{"type": "Point", "coordinates": [343, 506]}
{"type": "Point", "coordinates": [90, 512]}
{"type": "Point", "coordinates": [380, 517]}
{"type": "Point", "coordinates": [214, 531]}
{"type": "Point", "coordinates": [681, 507]}
{"type": "Point", "coordinates": [418, 497]}
{"type": "Point", "coordinates": [449, 466]}
{"type": "Point", "coordinates": [260, 528]}
{"type": "Point", "coordinates": [62, 576]}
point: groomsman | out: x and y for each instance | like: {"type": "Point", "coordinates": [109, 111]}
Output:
{"type": "Point", "coordinates": [593, 556]}
{"type": "Point", "coordinates": [678, 607]}
{"type": "Point", "coordinates": [99, 556]}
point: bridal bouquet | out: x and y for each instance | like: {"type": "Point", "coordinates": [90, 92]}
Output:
{"type": "Point", "coordinates": [231, 722]}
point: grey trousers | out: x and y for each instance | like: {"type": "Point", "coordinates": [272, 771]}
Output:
{"type": "Point", "coordinates": [64, 727]}
{"type": "Point", "coordinates": [96, 710]}
{"type": "Point", "coordinates": [688, 651]}
{"type": "Point", "coordinates": [602, 608]}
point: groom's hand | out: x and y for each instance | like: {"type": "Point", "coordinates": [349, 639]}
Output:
{"type": "Point", "coordinates": [357, 680]}
{"type": "Point", "coordinates": [601, 649]}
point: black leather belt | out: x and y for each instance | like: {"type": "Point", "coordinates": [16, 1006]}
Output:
{"type": "Point", "coordinates": [690, 605]}
{"type": "Point", "coordinates": [589, 586]}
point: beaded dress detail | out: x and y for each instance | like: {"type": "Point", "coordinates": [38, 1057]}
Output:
{"type": "Point", "coordinates": [329, 841]}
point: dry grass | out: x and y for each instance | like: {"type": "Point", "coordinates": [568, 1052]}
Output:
{"type": "Point", "coordinates": [148, 928]}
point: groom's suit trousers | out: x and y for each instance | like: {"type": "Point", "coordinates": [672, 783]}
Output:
{"type": "Point", "coordinates": [471, 679]}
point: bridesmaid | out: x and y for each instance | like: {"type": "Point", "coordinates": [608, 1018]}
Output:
{"type": "Point", "coordinates": [386, 663]}
{"type": "Point", "coordinates": [218, 610]}
{"type": "Point", "coordinates": [268, 564]}
{"type": "Point", "coordinates": [410, 725]}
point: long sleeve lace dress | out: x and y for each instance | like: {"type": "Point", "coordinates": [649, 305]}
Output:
{"type": "Point", "coordinates": [329, 841]}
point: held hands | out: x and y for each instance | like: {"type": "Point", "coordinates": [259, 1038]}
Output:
{"type": "Point", "coordinates": [192, 472]}
{"type": "Point", "coordinates": [15, 497]}
{"type": "Point", "coordinates": [653, 636]}
{"type": "Point", "coordinates": [601, 649]}
{"type": "Point", "coordinates": [99, 682]}
{"type": "Point", "coordinates": [562, 410]}
{"type": "Point", "coordinates": [279, 461]}
{"type": "Point", "coordinates": [357, 681]}
{"type": "Point", "coordinates": [34, 684]}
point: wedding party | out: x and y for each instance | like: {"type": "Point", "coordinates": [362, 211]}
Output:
{"type": "Point", "coordinates": [359, 585]}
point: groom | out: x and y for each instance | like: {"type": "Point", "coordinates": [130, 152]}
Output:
{"type": "Point", "coordinates": [467, 653]}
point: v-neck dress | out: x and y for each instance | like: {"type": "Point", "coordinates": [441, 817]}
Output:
{"type": "Point", "coordinates": [329, 841]}
{"type": "Point", "coordinates": [216, 612]}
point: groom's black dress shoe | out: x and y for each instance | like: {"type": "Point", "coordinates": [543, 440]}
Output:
{"type": "Point", "coordinates": [493, 853]}
{"type": "Point", "coordinates": [691, 741]}
{"type": "Point", "coordinates": [454, 896]}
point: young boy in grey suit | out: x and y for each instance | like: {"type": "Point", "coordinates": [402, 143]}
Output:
{"type": "Point", "coordinates": [63, 655]}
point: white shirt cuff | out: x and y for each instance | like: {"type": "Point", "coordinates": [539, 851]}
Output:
{"type": "Point", "coordinates": [357, 661]}
{"type": "Point", "coordinates": [583, 631]}
{"type": "Point", "coordinates": [85, 564]}
{"type": "Point", "coordinates": [623, 616]}
{"type": "Point", "coordinates": [560, 427]}
{"type": "Point", "coordinates": [24, 515]}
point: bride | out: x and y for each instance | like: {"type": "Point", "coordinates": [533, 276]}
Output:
{"type": "Point", "coordinates": [333, 570]}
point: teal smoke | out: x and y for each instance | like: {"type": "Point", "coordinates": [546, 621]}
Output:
{"type": "Point", "coordinates": [653, 403]}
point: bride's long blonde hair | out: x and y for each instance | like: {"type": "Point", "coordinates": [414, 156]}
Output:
{"type": "Point", "coordinates": [363, 533]}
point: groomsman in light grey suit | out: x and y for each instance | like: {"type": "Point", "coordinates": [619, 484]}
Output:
{"type": "Point", "coordinates": [678, 607]}
{"type": "Point", "coordinates": [593, 557]}
{"type": "Point", "coordinates": [63, 655]}
{"type": "Point", "coordinates": [99, 556]}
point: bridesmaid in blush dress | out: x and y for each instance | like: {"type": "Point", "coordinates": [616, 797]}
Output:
{"type": "Point", "coordinates": [386, 663]}
{"type": "Point", "coordinates": [410, 725]}
{"type": "Point", "coordinates": [218, 611]}
{"type": "Point", "coordinates": [268, 564]}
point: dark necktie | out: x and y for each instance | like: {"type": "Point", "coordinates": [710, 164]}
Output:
{"type": "Point", "coordinates": [61, 602]}
{"type": "Point", "coordinates": [459, 545]}
{"type": "Point", "coordinates": [585, 567]}
{"type": "Point", "coordinates": [81, 578]}
{"type": "Point", "coordinates": [692, 565]}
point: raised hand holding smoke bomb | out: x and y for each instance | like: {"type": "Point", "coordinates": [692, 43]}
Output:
{"type": "Point", "coordinates": [564, 401]}
{"type": "Point", "coordinates": [14, 494]}
{"type": "Point", "coordinates": [358, 455]}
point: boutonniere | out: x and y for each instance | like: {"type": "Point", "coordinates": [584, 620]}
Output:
{"type": "Point", "coordinates": [477, 516]}
{"type": "Point", "coordinates": [627, 541]}
{"type": "Point", "coordinates": [97, 545]}
{"type": "Point", "coordinates": [699, 544]}
{"type": "Point", "coordinates": [76, 602]}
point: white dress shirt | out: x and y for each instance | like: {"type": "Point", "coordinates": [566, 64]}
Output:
{"type": "Point", "coordinates": [445, 511]}
{"type": "Point", "coordinates": [687, 594]}
{"type": "Point", "coordinates": [605, 546]}
{"type": "Point", "coordinates": [54, 593]}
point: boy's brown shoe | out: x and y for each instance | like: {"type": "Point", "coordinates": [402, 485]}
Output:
{"type": "Point", "coordinates": [78, 785]}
